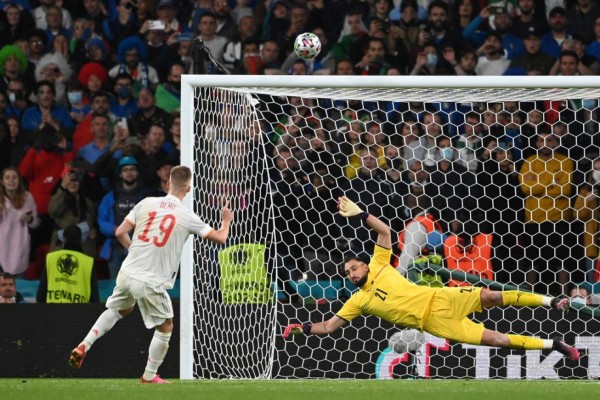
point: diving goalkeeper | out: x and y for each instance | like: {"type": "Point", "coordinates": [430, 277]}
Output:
{"type": "Point", "coordinates": [440, 311]}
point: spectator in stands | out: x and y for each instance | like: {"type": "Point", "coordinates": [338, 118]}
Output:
{"type": "Point", "coordinates": [422, 219]}
{"type": "Point", "coordinates": [452, 186]}
{"type": "Point", "coordinates": [373, 62]}
{"type": "Point", "coordinates": [101, 139]}
{"type": "Point", "coordinates": [13, 66]}
{"type": "Point", "coordinates": [534, 61]}
{"type": "Point", "coordinates": [207, 31]}
{"type": "Point", "coordinates": [155, 148]}
{"type": "Point", "coordinates": [469, 144]}
{"type": "Point", "coordinates": [501, 17]}
{"type": "Point", "coordinates": [503, 202]}
{"type": "Point", "coordinates": [69, 275]}
{"type": "Point", "coordinates": [18, 214]}
{"type": "Point", "coordinates": [54, 24]}
{"type": "Point", "coordinates": [492, 60]}
{"type": "Point", "coordinates": [270, 56]}
{"type": "Point", "coordinates": [585, 210]}
{"type": "Point", "coordinates": [155, 38]}
{"type": "Point", "coordinates": [17, 98]}
{"type": "Point", "coordinates": [226, 24]}
{"type": "Point", "coordinates": [60, 45]}
{"type": "Point", "coordinates": [463, 12]}
{"type": "Point", "coordinates": [551, 42]}
{"type": "Point", "coordinates": [96, 51]}
{"type": "Point", "coordinates": [124, 104]}
{"type": "Point", "coordinates": [53, 67]}
{"type": "Point", "coordinates": [545, 179]}
{"type": "Point", "coordinates": [18, 21]}
{"type": "Point", "coordinates": [115, 205]}
{"type": "Point", "coordinates": [424, 148]}
{"type": "Point", "coordinates": [168, 94]}
{"type": "Point", "coordinates": [163, 172]}
{"type": "Point", "coordinates": [530, 18]}
{"type": "Point", "coordinates": [579, 47]}
{"type": "Point", "coordinates": [593, 47]}
{"type": "Point", "coordinates": [354, 29]}
{"type": "Point", "coordinates": [47, 112]}
{"type": "Point", "coordinates": [232, 55]}
{"type": "Point", "coordinates": [581, 18]}
{"type": "Point", "coordinates": [132, 55]}
{"type": "Point", "coordinates": [124, 25]}
{"type": "Point", "coordinates": [40, 12]}
{"type": "Point", "coordinates": [407, 28]}
{"type": "Point", "coordinates": [439, 31]}
{"type": "Point", "coordinates": [8, 289]}
{"type": "Point", "coordinates": [165, 11]}
{"type": "Point", "coordinates": [37, 40]}
{"type": "Point", "coordinates": [83, 132]}
{"type": "Point", "coordinates": [70, 206]}
{"type": "Point", "coordinates": [469, 250]}
{"type": "Point", "coordinates": [148, 114]}
{"type": "Point", "coordinates": [95, 12]}
{"type": "Point", "coordinates": [42, 166]}
{"type": "Point", "coordinates": [568, 64]}
{"type": "Point", "coordinates": [93, 79]}
{"type": "Point", "coordinates": [16, 142]}
{"type": "Point", "coordinates": [580, 294]}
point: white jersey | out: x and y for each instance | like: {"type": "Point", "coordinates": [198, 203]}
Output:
{"type": "Point", "coordinates": [162, 226]}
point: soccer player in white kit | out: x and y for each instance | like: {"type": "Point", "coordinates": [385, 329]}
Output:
{"type": "Point", "coordinates": [161, 226]}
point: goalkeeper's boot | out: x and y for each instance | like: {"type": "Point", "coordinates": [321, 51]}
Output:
{"type": "Point", "coordinates": [156, 379]}
{"type": "Point", "coordinates": [561, 304]}
{"type": "Point", "coordinates": [568, 351]}
{"type": "Point", "coordinates": [77, 356]}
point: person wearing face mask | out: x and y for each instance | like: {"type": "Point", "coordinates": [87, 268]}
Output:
{"type": "Point", "coordinates": [427, 62]}
{"type": "Point", "coordinates": [586, 211]}
{"type": "Point", "coordinates": [580, 294]}
{"type": "Point", "coordinates": [124, 104]}
{"type": "Point", "coordinates": [168, 95]}
{"type": "Point", "coordinates": [77, 109]}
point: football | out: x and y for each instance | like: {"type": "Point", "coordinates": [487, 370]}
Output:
{"type": "Point", "coordinates": [307, 46]}
{"type": "Point", "coordinates": [406, 340]}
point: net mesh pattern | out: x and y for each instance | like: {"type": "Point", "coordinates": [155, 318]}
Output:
{"type": "Point", "coordinates": [507, 176]}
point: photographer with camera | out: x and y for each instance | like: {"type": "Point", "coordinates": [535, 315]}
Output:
{"type": "Point", "coordinates": [69, 205]}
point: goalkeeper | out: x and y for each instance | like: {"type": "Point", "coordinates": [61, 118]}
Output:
{"type": "Point", "coordinates": [440, 311]}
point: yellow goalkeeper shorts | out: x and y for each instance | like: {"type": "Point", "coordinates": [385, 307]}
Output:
{"type": "Point", "coordinates": [448, 315]}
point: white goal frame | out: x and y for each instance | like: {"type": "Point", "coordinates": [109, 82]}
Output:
{"type": "Point", "coordinates": [498, 88]}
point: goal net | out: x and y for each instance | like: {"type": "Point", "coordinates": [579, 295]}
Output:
{"type": "Point", "coordinates": [501, 173]}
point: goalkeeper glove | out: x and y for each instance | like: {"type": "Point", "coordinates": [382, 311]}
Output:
{"type": "Point", "coordinates": [296, 329]}
{"type": "Point", "coordinates": [348, 208]}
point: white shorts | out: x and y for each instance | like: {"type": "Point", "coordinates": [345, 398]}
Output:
{"type": "Point", "coordinates": [154, 301]}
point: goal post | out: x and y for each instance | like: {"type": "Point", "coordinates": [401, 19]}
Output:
{"type": "Point", "coordinates": [281, 148]}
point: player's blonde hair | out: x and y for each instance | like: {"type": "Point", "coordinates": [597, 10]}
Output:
{"type": "Point", "coordinates": [180, 177]}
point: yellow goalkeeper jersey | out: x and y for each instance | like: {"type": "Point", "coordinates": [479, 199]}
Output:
{"type": "Point", "coordinates": [388, 295]}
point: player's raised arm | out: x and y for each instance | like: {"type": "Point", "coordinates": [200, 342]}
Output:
{"type": "Point", "coordinates": [319, 328]}
{"type": "Point", "coordinates": [349, 209]}
{"type": "Point", "coordinates": [220, 235]}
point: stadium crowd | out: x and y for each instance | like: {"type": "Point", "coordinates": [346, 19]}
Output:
{"type": "Point", "coordinates": [90, 125]}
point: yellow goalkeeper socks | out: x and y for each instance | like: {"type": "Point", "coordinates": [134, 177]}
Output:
{"type": "Point", "coordinates": [524, 299]}
{"type": "Point", "coordinates": [528, 343]}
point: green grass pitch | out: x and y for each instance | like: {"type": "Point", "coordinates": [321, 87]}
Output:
{"type": "Point", "coordinates": [130, 389]}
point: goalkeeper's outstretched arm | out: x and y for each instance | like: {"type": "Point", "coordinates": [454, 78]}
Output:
{"type": "Point", "coordinates": [318, 328]}
{"type": "Point", "coordinates": [349, 209]}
